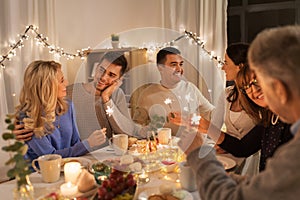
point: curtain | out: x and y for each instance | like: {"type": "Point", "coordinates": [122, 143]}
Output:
{"type": "Point", "coordinates": [206, 18]}
{"type": "Point", "coordinates": [15, 15]}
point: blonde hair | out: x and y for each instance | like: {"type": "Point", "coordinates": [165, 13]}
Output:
{"type": "Point", "coordinates": [39, 97]}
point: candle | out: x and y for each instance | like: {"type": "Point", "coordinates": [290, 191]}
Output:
{"type": "Point", "coordinates": [72, 171]}
{"type": "Point", "coordinates": [68, 189]}
{"type": "Point", "coordinates": [143, 177]}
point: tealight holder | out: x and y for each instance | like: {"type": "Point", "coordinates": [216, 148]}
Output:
{"type": "Point", "coordinates": [143, 177]}
{"type": "Point", "coordinates": [69, 189]}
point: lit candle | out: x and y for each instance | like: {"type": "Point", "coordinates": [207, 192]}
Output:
{"type": "Point", "coordinates": [143, 177]}
{"type": "Point", "coordinates": [72, 171]}
{"type": "Point", "coordinates": [68, 189]}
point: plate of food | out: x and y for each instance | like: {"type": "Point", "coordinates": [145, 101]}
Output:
{"type": "Point", "coordinates": [154, 194]}
{"type": "Point", "coordinates": [125, 163]}
{"type": "Point", "coordinates": [85, 163]}
{"type": "Point", "coordinates": [130, 163]}
{"type": "Point", "coordinates": [228, 163]}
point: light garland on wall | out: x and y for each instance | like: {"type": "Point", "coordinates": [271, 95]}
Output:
{"type": "Point", "coordinates": [43, 41]}
{"type": "Point", "coordinates": [201, 43]}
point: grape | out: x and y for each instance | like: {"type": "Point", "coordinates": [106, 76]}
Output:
{"type": "Point", "coordinates": [130, 182]}
{"type": "Point", "coordinates": [105, 184]}
{"type": "Point", "coordinates": [129, 176]}
{"type": "Point", "coordinates": [120, 179]}
{"type": "Point", "coordinates": [117, 183]}
{"type": "Point", "coordinates": [102, 191]}
{"type": "Point", "coordinates": [109, 196]}
{"type": "Point", "coordinates": [119, 189]}
{"type": "Point", "coordinates": [112, 183]}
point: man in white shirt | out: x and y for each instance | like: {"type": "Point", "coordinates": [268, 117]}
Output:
{"type": "Point", "coordinates": [173, 94]}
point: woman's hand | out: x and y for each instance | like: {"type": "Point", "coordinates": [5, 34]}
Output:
{"type": "Point", "coordinates": [21, 133]}
{"type": "Point", "coordinates": [97, 138]}
{"type": "Point", "coordinates": [177, 119]}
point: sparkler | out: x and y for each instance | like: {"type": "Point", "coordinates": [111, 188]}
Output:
{"type": "Point", "coordinates": [168, 101]}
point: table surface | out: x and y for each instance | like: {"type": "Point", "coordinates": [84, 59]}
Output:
{"type": "Point", "coordinates": [40, 188]}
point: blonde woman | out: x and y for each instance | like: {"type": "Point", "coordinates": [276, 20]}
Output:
{"type": "Point", "coordinates": [44, 110]}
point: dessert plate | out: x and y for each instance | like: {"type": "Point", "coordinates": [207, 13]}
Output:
{"type": "Point", "coordinates": [228, 163]}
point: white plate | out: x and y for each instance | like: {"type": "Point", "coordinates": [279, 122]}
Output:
{"type": "Point", "coordinates": [85, 163]}
{"type": "Point", "coordinates": [148, 192]}
{"type": "Point", "coordinates": [150, 167]}
{"type": "Point", "coordinates": [79, 194]}
{"type": "Point", "coordinates": [88, 193]}
{"type": "Point", "coordinates": [228, 163]}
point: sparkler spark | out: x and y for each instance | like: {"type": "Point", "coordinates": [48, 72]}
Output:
{"type": "Point", "coordinates": [188, 97]}
{"type": "Point", "coordinates": [195, 119]}
{"type": "Point", "coordinates": [109, 111]}
{"type": "Point", "coordinates": [168, 101]}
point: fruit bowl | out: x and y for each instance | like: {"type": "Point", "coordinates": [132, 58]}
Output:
{"type": "Point", "coordinates": [118, 185]}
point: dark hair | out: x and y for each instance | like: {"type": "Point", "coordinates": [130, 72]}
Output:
{"type": "Point", "coordinates": [257, 113]}
{"type": "Point", "coordinates": [116, 58]}
{"type": "Point", "coordinates": [161, 55]}
{"type": "Point", "coordinates": [237, 52]}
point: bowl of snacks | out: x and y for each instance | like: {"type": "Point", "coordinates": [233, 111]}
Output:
{"type": "Point", "coordinates": [100, 170]}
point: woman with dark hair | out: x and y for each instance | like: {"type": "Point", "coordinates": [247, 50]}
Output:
{"type": "Point", "coordinates": [270, 132]}
{"type": "Point", "coordinates": [229, 110]}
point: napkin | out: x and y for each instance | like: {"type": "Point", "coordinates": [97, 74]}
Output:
{"type": "Point", "coordinates": [85, 181]}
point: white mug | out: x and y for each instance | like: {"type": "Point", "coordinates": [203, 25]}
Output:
{"type": "Point", "coordinates": [164, 135]}
{"type": "Point", "coordinates": [49, 167]}
{"type": "Point", "coordinates": [119, 143]}
{"type": "Point", "coordinates": [187, 177]}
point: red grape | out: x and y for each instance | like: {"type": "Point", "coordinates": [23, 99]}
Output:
{"type": "Point", "coordinates": [102, 191]}
{"type": "Point", "coordinates": [112, 183]}
{"type": "Point", "coordinates": [105, 183]}
{"type": "Point", "coordinates": [130, 182]}
{"type": "Point", "coordinates": [109, 196]}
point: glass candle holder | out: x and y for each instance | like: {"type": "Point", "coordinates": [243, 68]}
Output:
{"type": "Point", "coordinates": [143, 177]}
{"type": "Point", "coordinates": [68, 189]}
{"type": "Point", "coordinates": [72, 170]}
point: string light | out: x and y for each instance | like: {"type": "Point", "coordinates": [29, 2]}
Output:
{"type": "Point", "coordinates": [59, 52]}
{"type": "Point", "coordinates": [200, 43]}
{"type": "Point", "coordinates": [41, 41]}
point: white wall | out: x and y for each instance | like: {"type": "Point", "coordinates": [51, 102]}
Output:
{"type": "Point", "coordinates": [82, 23]}
{"type": "Point", "coordinates": [88, 23]}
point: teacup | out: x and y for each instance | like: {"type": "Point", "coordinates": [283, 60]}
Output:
{"type": "Point", "coordinates": [49, 167]}
{"type": "Point", "coordinates": [119, 143]}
